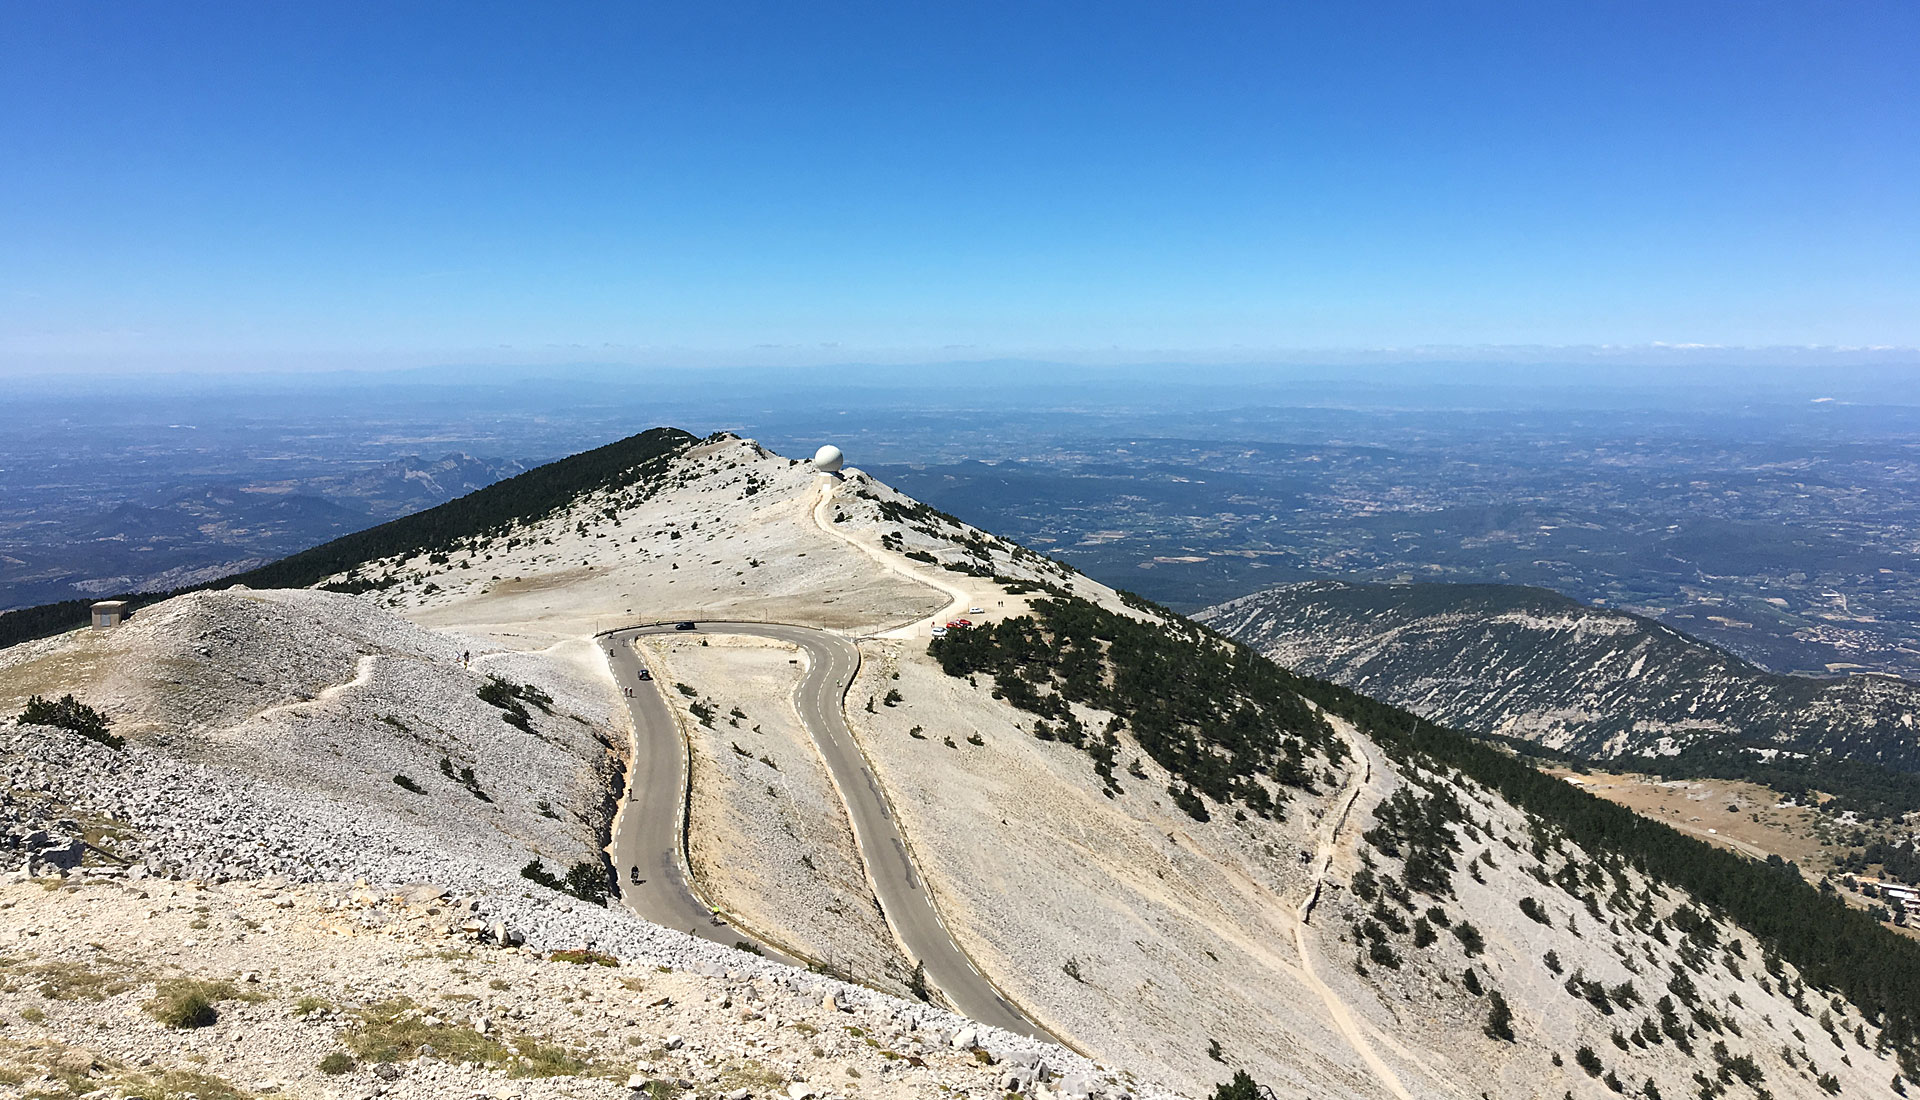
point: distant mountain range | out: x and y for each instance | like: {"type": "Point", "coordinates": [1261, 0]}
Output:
{"type": "Point", "coordinates": [1532, 664]}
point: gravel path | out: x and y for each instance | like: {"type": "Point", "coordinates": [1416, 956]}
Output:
{"type": "Point", "coordinates": [1358, 779]}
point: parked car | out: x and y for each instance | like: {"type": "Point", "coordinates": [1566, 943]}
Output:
{"type": "Point", "coordinates": [689, 625]}
{"type": "Point", "coordinates": [939, 630]}
{"type": "Point", "coordinates": [976, 611]}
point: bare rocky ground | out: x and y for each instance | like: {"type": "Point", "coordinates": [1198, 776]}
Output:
{"type": "Point", "coordinates": [769, 836]}
{"type": "Point", "coordinates": [267, 732]}
{"type": "Point", "coordinates": [271, 732]}
{"type": "Point", "coordinates": [728, 533]}
{"type": "Point", "coordinates": [327, 991]}
{"type": "Point", "coordinates": [1122, 923]}
{"type": "Point", "coordinates": [731, 531]}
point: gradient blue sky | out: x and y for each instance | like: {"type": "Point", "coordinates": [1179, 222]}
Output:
{"type": "Point", "coordinates": [343, 184]}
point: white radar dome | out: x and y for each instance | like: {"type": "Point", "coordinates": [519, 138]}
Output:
{"type": "Point", "coordinates": [828, 459]}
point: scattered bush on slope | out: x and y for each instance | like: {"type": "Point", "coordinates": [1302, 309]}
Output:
{"type": "Point", "coordinates": [1214, 714]}
{"type": "Point", "coordinates": [508, 696]}
{"type": "Point", "coordinates": [72, 715]}
{"type": "Point", "coordinates": [1832, 945]}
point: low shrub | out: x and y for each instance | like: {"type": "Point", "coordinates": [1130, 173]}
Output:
{"type": "Point", "coordinates": [584, 880]}
{"type": "Point", "coordinates": [1534, 913]}
{"type": "Point", "coordinates": [1470, 939]}
{"type": "Point", "coordinates": [1242, 1087]}
{"type": "Point", "coordinates": [508, 697]}
{"type": "Point", "coordinates": [1499, 1018]}
{"type": "Point", "coordinates": [188, 1002]}
{"type": "Point", "coordinates": [72, 715]}
{"type": "Point", "coordinates": [337, 1063]}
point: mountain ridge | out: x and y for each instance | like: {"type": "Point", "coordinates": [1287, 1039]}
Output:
{"type": "Point", "coordinates": [1534, 664]}
{"type": "Point", "coordinates": [526, 495]}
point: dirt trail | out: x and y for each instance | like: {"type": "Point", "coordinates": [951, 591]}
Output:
{"type": "Point", "coordinates": [958, 597]}
{"type": "Point", "coordinates": [1329, 841]}
{"type": "Point", "coordinates": [362, 676]}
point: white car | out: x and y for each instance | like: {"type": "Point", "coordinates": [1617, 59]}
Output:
{"type": "Point", "coordinates": [976, 611]}
{"type": "Point", "coordinates": [939, 630]}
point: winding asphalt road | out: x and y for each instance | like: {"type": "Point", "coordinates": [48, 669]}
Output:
{"type": "Point", "coordinates": [650, 831]}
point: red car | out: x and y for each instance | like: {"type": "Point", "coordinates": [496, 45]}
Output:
{"type": "Point", "coordinates": [959, 624]}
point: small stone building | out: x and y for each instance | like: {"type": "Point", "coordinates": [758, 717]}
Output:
{"type": "Point", "coordinates": [109, 613]}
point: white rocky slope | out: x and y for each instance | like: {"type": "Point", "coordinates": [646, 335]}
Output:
{"type": "Point", "coordinates": [1147, 936]}
{"type": "Point", "coordinates": [1659, 991]}
{"type": "Point", "coordinates": [337, 991]}
{"type": "Point", "coordinates": [731, 530]}
{"type": "Point", "coordinates": [302, 790]}
{"type": "Point", "coordinates": [1182, 934]}
{"type": "Point", "coordinates": [1131, 930]}
{"type": "Point", "coordinates": [1526, 662]}
{"type": "Point", "coordinates": [299, 714]}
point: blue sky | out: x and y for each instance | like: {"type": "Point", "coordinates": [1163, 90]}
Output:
{"type": "Point", "coordinates": [348, 185]}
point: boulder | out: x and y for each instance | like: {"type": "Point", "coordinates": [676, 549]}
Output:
{"type": "Point", "coordinates": [422, 895]}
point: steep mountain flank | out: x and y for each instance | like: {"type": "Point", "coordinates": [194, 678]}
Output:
{"type": "Point", "coordinates": [1462, 931]}
{"type": "Point", "coordinates": [1528, 663]}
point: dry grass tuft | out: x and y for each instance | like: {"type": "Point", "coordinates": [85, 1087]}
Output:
{"type": "Point", "coordinates": [71, 981]}
{"type": "Point", "coordinates": [188, 1002]}
{"type": "Point", "coordinates": [580, 956]}
{"type": "Point", "coordinates": [397, 1030]}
